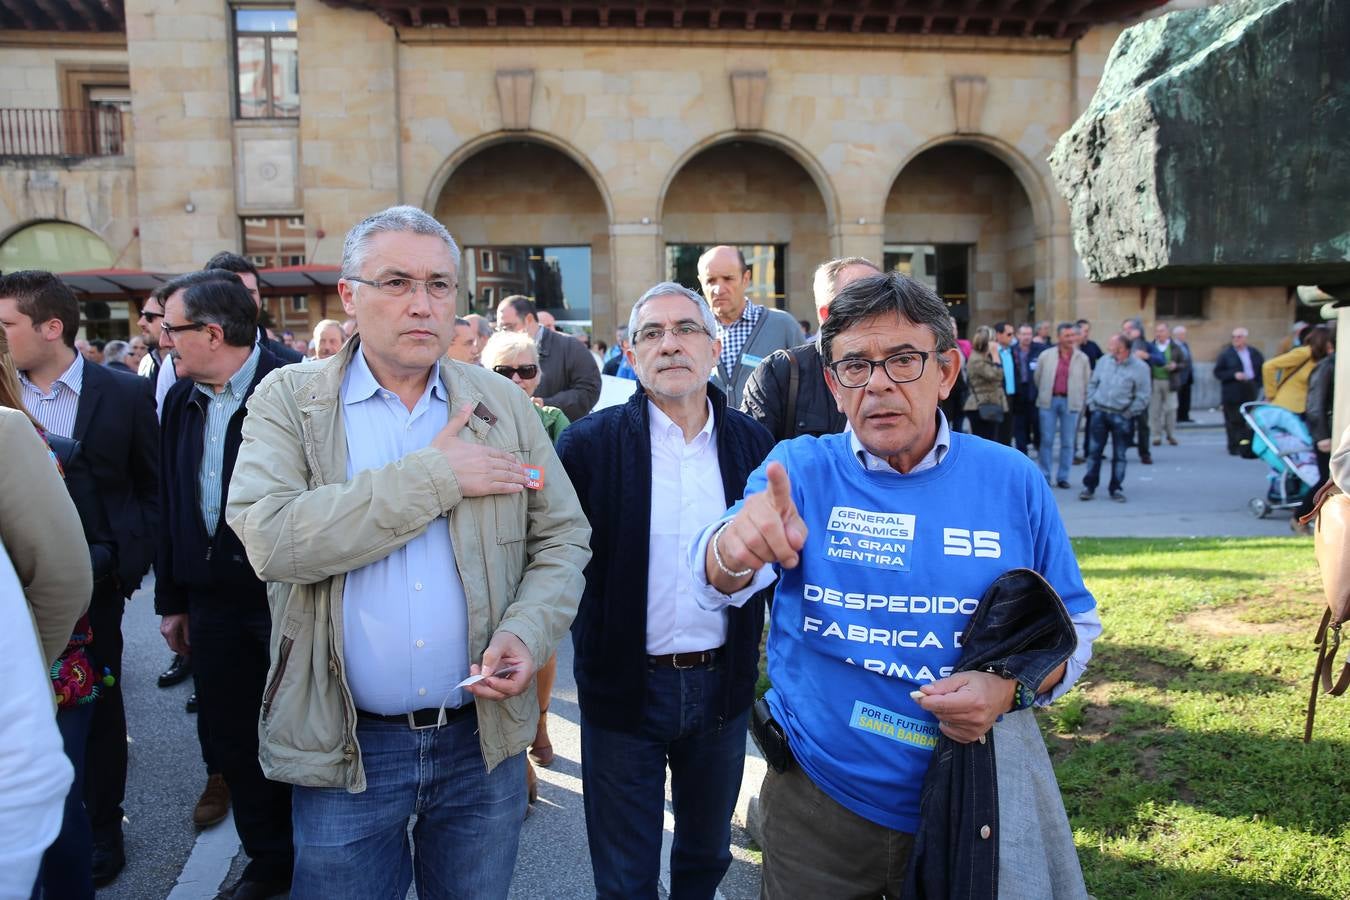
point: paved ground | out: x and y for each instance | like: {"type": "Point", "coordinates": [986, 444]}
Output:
{"type": "Point", "coordinates": [1192, 489]}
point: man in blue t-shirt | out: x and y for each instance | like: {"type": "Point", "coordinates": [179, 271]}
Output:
{"type": "Point", "coordinates": [883, 541]}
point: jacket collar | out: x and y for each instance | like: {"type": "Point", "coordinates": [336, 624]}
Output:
{"type": "Point", "coordinates": [323, 389]}
{"type": "Point", "coordinates": [635, 410]}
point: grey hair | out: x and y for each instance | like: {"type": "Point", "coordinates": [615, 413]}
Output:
{"type": "Point", "coordinates": [878, 295]}
{"type": "Point", "coordinates": [395, 218]}
{"type": "Point", "coordinates": [669, 289]}
{"type": "Point", "coordinates": [115, 351]}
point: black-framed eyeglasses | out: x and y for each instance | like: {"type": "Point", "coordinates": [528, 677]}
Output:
{"type": "Point", "coordinates": [174, 329]}
{"type": "Point", "coordinates": [150, 317]}
{"type": "Point", "coordinates": [525, 372]}
{"type": "Point", "coordinates": [652, 334]}
{"type": "Point", "coordinates": [400, 286]}
{"type": "Point", "coordinates": [902, 368]}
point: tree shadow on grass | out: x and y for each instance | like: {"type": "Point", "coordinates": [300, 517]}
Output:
{"type": "Point", "coordinates": [1200, 574]}
{"type": "Point", "coordinates": [1160, 546]}
{"type": "Point", "coordinates": [1128, 755]}
{"type": "Point", "coordinates": [1162, 667]}
{"type": "Point", "coordinates": [1110, 878]}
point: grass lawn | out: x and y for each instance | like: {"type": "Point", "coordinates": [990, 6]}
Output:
{"type": "Point", "coordinates": [1180, 752]}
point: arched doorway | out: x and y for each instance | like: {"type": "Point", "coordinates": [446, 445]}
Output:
{"type": "Point", "coordinates": [759, 198]}
{"type": "Point", "coordinates": [958, 218]}
{"type": "Point", "coordinates": [530, 221]}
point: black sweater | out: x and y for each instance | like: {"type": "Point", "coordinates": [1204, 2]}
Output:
{"type": "Point", "coordinates": [608, 457]}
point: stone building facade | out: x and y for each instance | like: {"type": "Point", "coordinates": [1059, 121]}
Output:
{"type": "Point", "coordinates": [602, 154]}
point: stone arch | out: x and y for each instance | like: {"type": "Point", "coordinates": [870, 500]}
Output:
{"type": "Point", "coordinates": [981, 217]}
{"type": "Point", "coordinates": [533, 217]}
{"type": "Point", "coordinates": [746, 189]}
{"type": "Point", "coordinates": [472, 148]}
{"type": "Point", "coordinates": [786, 145]}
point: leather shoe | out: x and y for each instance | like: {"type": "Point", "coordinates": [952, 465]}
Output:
{"type": "Point", "coordinates": [178, 671]}
{"type": "Point", "coordinates": [1063, 485]}
{"type": "Point", "coordinates": [191, 705]}
{"type": "Point", "coordinates": [109, 859]}
{"type": "Point", "coordinates": [1146, 460]}
{"type": "Point", "coordinates": [247, 889]}
{"type": "Point", "coordinates": [214, 803]}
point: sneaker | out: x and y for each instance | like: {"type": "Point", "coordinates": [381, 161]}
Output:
{"type": "Point", "coordinates": [1085, 494]}
{"type": "Point", "coordinates": [1118, 496]}
{"type": "Point", "coordinates": [214, 803]}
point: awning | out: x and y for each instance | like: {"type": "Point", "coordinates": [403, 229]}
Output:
{"type": "Point", "coordinates": [307, 279]}
{"type": "Point", "coordinates": [119, 284]}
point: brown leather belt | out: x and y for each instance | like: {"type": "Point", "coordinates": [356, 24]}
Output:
{"type": "Point", "coordinates": [421, 718]}
{"type": "Point", "coordinates": [692, 660]}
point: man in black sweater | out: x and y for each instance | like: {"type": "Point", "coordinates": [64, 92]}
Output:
{"type": "Point", "coordinates": [661, 681]}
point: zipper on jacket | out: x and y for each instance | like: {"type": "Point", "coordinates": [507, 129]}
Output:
{"type": "Point", "coordinates": [283, 654]}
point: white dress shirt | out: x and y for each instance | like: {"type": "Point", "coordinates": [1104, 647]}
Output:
{"type": "Point", "coordinates": [56, 409]}
{"type": "Point", "coordinates": [405, 620]}
{"type": "Point", "coordinates": [686, 495]}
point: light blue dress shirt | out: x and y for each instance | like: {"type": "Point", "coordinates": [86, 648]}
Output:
{"type": "Point", "coordinates": [56, 410]}
{"type": "Point", "coordinates": [405, 619]}
{"type": "Point", "coordinates": [220, 408]}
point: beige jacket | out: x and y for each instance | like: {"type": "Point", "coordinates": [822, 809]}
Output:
{"type": "Point", "coordinates": [42, 532]}
{"type": "Point", "coordinates": [305, 525]}
{"type": "Point", "coordinates": [1080, 371]}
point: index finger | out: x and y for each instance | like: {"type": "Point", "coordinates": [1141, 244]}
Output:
{"type": "Point", "coordinates": [780, 487]}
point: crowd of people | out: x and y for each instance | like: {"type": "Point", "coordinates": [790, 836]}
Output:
{"type": "Point", "coordinates": [367, 544]}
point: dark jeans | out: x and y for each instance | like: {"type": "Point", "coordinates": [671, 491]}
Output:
{"type": "Point", "coordinates": [1025, 418]}
{"type": "Point", "coordinates": [1142, 435]}
{"type": "Point", "coordinates": [1087, 432]}
{"type": "Point", "coordinates": [105, 782]}
{"type": "Point", "coordinates": [230, 643]}
{"type": "Point", "coordinates": [1184, 402]}
{"type": "Point", "coordinates": [624, 777]}
{"type": "Point", "coordinates": [1119, 428]}
{"type": "Point", "coordinates": [66, 872]}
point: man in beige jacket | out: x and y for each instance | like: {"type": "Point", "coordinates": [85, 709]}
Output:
{"type": "Point", "coordinates": [1062, 374]}
{"type": "Point", "coordinates": [416, 528]}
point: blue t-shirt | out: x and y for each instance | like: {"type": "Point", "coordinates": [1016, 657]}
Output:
{"type": "Point", "coordinates": [894, 566]}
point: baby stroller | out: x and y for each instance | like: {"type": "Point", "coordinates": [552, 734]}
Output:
{"type": "Point", "coordinates": [1280, 438]}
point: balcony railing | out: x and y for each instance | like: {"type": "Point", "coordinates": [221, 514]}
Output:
{"type": "Point", "coordinates": [61, 132]}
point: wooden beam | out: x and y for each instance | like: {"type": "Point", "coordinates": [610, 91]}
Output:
{"type": "Point", "coordinates": [1037, 10]}
{"type": "Point", "coordinates": [18, 9]}
{"type": "Point", "coordinates": [56, 16]}
{"type": "Point", "coordinates": [415, 16]}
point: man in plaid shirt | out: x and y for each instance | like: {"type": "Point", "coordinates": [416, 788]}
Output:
{"type": "Point", "coordinates": [748, 332]}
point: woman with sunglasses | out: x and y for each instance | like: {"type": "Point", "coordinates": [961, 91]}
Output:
{"type": "Point", "coordinates": [514, 355]}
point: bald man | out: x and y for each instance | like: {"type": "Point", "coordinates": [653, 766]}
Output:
{"type": "Point", "coordinates": [747, 331]}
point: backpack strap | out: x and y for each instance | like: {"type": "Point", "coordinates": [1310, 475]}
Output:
{"type": "Point", "coordinates": [794, 381]}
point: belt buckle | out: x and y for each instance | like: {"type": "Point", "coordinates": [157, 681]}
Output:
{"type": "Point", "coordinates": [675, 661]}
{"type": "Point", "coordinates": [440, 720]}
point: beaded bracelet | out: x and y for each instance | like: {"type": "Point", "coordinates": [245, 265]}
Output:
{"type": "Point", "coordinates": [717, 557]}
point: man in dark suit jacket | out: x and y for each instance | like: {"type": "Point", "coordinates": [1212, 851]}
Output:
{"type": "Point", "coordinates": [248, 274]}
{"type": "Point", "coordinates": [204, 585]}
{"type": "Point", "coordinates": [570, 379]}
{"type": "Point", "coordinates": [1238, 369]}
{"type": "Point", "coordinates": [113, 416]}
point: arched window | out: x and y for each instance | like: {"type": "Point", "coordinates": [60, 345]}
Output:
{"type": "Point", "coordinates": [54, 247]}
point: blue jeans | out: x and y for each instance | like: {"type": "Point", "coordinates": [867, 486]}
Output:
{"type": "Point", "coordinates": [624, 778]}
{"type": "Point", "coordinates": [1057, 416]}
{"type": "Point", "coordinates": [468, 820]}
{"type": "Point", "coordinates": [67, 871]}
{"type": "Point", "coordinates": [1119, 427]}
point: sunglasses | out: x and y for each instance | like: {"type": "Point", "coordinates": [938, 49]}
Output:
{"type": "Point", "coordinates": [525, 372]}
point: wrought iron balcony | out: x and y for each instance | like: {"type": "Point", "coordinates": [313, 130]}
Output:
{"type": "Point", "coordinates": [61, 133]}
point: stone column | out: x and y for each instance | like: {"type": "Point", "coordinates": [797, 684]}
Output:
{"type": "Point", "coordinates": [349, 127]}
{"type": "Point", "coordinates": [181, 66]}
{"type": "Point", "coordinates": [636, 251]}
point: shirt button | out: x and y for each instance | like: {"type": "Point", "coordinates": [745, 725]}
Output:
{"type": "Point", "coordinates": [213, 438]}
{"type": "Point", "coordinates": [417, 586]}
{"type": "Point", "coordinates": [985, 832]}
{"type": "Point", "coordinates": [422, 692]}
{"type": "Point", "coordinates": [421, 643]}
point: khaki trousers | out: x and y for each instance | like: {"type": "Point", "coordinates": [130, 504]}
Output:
{"type": "Point", "coordinates": [1162, 411]}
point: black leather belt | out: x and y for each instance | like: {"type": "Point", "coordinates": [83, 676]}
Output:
{"type": "Point", "coordinates": [421, 718]}
{"type": "Point", "coordinates": [691, 660]}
